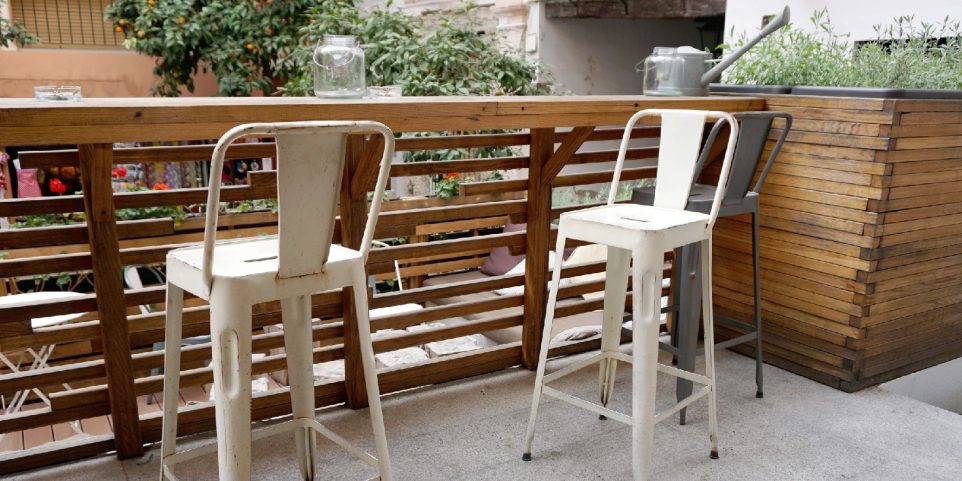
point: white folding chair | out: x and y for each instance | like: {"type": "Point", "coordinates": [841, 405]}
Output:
{"type": "Point", "coordinates": [640, 235]}
{"type": "Point", "coordinates": [39, 357]}
{"type": "Point", "coordinates": [299, 261]}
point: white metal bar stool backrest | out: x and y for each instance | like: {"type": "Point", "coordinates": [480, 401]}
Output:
{"type": "Point", "coordinates": [678, 150]}
{"type": "Point", "coordinates": [310, 165]}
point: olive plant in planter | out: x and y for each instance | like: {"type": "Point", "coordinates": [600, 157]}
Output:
{"type": "Point", "coordinates": [907, 59]}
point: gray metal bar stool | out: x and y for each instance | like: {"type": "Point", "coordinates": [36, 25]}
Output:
{"type": "Point", "coordinates": [686, 302]}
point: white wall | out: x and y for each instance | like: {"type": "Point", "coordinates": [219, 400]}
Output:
{"type": "Point", "coordinates": [854, 17]}
{"type": "Point", "coordinates": [598, 56]}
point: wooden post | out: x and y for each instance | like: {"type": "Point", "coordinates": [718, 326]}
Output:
{"type": "Point", "coordinates": [96, 161]}
{"type": "Point", "coordinates": [536, 247]}
{"type": "Point", "coordinates": [353, 210]}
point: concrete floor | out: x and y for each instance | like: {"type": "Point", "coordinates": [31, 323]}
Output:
{"type": "Point", "coordinates": [473, 430]}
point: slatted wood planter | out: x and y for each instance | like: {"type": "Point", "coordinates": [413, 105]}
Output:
{"type": "Point", "coordinates": [861, 247]}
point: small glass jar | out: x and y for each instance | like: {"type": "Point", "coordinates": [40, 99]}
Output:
{"type": "Point", "coordinates": [57, 93]}
{"type": "Point", "coordinates": [339, 68]}
{"type": "Point", "coordinates": [658, 70]}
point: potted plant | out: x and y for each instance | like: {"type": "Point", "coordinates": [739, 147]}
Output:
{"type": "Point", "coordinates": [908, 59]}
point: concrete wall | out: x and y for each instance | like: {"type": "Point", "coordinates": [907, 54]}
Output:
{"type": "Point", "coordinates": [100, 73]}
{"type": "Point", "coordinates": [938, 385]}
{"type": "Point", "coordinates": [856, 18]}
{"type": "Point", "coordinates": [598, 56]}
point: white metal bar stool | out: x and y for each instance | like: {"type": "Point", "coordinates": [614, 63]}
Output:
{"type": "Point", "coordinates": [300, 261]}
{"type": "Point", "coordinates": [640, 235]}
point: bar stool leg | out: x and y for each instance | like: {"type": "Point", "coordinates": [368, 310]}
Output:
{"type": "Point", "coordinates": [674, 301]}
{"type": "Point", "coordinates": [758, 309]}
{"type": "Point", "coordinates": [296, 313]}
{"type": "Point", "coordinates": [708, 314]}
{"type": "Point", "coordinates": [646, 273]}
{"type": "Point", "coordinates": [231, 335]}
{"type": "Point", "coordinates": [545, 340]}
{"type": "Point", "coordinates": [359, 285]}
{"type": "Point", "coordinates": [616, 286]}
{"type": "Point", "coordinates": [172, 337]}
{"type": "Point", "coordinates": [688, 311]}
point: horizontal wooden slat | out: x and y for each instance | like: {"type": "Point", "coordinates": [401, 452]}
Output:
{"type": "Point", "coordinates": [458, 166]}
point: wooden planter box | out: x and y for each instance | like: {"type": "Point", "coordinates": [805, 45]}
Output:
{"type": "Point", "coordinates": [861, 252]}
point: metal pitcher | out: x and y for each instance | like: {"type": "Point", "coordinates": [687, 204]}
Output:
{"type": "Point", "coordinates": [686, 71]}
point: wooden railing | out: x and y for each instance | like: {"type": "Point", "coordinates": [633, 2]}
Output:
{"type": "Point", "coordinates": [105, 363]}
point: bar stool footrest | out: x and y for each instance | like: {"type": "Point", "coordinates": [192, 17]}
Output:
{"type": "Point", "coordinates": [729, 322]}
{"type": "Point", "coordinates": [612, 414]}
{"type": "Point", "coordinates": [286, 426]}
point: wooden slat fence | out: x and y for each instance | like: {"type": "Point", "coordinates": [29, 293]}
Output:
{"type": "Point", "coordinates": [107, 358]}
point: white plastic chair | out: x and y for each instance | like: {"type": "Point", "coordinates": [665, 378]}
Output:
{"type": "Point", "coordinates": [640, 235]}
{"type": "Point", "coordinates": [300, 261]}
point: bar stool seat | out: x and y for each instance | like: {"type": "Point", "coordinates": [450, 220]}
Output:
{"type": "Point", "coordinates": [251, 262]}
{"type": "Point", "coordinates": [624, 225]}
{"type": "Point", "coordinates": [700, 200]}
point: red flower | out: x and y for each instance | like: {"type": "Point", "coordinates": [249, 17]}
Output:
{"type": "Point", "coordinates": [453, 176]}
{"type": "Point", "coordinates": [57, 187]}
{"type": "Point", "coordinates": [120, 172]}
{"type": "Point", "coordinates": [160, 186]}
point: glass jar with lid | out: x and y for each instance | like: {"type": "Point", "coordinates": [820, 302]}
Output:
{"type": "Point", "coordinates": [339, 68]}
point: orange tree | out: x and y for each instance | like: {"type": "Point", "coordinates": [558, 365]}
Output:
{"type": "Point", "coordinates": [14, 33]}
{"type": "Point", "coordinates": [247, 44]}
{"type": "Point", "coordinates": [267, 45]}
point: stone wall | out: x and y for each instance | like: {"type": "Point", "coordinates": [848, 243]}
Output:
{"type": "Point", "coordinates": [634, 8]}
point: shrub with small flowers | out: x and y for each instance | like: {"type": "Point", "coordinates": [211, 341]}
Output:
{"type": "Point", "coordinates": [448, 185]}
{"type": "Point", "coordinates": [176, 212]}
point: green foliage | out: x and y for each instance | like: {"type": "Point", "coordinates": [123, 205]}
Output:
{"type": "Point", "coordinates": [268, 45]}
{"type": "Point", "coordinates": [63, 281]}
{"type": "Point", "coordinates": [248, 44]}
{"type": "Point", "coordinates": [14, 32]}
{"type": "Point", "coordinates": [434, 55]}
{"type": "Point", "coordinates": [43, 220]}
{"type": "Point", "coordinates": [904, 55]}
{"type": "Point", "coordinates": [447, 186]}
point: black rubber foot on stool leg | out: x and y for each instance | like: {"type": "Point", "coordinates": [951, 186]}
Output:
{"type": "Point", "coordinates": [759, 395]}
{"type": "Point", "coordinates": [681, 418]}
{"type": "Point", "coordinates": [526, 457]}
{"type": "Point", "coordinates": [714, 454]}
{"type": "Point", "coordinates": [602, 417]}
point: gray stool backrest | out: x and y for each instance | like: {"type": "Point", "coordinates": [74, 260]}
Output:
{"type": "Point", "coordinates": [753, 135]}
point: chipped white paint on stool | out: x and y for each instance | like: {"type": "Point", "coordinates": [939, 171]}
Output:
{"type": "Point", "coordinates": [299, 261]}
{"type": "Point", "coordinates": [638, 236]}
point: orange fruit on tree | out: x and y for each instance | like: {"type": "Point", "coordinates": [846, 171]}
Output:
{"type": "Point", "coordinates": [250, 47]}
{"type": "Point", "coordinates": [141, 33]}
{"type": "Point", "coordinates": [181, 20]}
{"type": "Point", "coordinates": [118, 29]}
